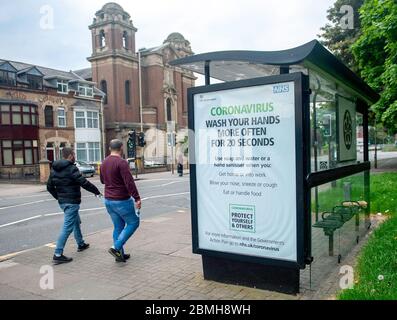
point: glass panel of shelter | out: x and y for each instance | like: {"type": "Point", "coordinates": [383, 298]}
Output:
{"type": "Point", "coordinates": [339, 209]}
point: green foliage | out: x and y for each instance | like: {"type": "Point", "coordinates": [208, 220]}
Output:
{"type": "Point", "coordinates": [376, 272]}
{"type": "Point", "coordinates": [340, 40]}
{"type": "Point", "coordinates": [376, 54]}
{"type": "Point", "coordinates": [379, 256]}
{"type": "Point", "coordinates": [185, 146]}
{"type": "Point", "coordinates": [383, 192]}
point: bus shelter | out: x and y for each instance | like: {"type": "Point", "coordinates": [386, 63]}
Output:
{"type": "Point", "coordinates": [279, 165]}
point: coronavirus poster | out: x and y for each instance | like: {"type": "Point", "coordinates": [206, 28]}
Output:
{"type": "Point", "coordinates": [244, 149]}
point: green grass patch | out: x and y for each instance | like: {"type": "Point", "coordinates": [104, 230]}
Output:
{"type": "Point", "coordinates": [377, 260]}
{"type": "Point", "coordinates": [383, 193]}
{"type": "Point", "coordinates": [376, 271]}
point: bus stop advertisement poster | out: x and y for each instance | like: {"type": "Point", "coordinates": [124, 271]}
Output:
{"type": "Point", "coordinates": [245, 171]}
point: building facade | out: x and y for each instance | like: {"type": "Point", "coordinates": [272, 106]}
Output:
{"type": "Point", "coordinates": [39, 109]}
{"type": "Point", "coordinates": [143, 92]}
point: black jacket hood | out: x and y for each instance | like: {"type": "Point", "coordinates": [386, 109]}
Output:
{"type": "Point", "coordinates": [61, 164]}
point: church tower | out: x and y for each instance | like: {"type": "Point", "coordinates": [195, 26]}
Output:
{"type": "Point", "coordinates": [115, 68]}
{"type": "Point", "coordinates": [114, 65]}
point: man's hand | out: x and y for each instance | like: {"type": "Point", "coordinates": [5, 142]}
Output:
{"type": "Point", "coordinates": [138, 204]}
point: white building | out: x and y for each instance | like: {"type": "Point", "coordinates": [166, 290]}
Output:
{"type": "Point", "coordinates": [88, 133]}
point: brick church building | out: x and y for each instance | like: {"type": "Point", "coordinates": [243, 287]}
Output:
{"type": "Point", "coordinates": [118, 68]}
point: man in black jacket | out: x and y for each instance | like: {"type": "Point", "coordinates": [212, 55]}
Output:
{"type": "Point", "coordinates": [64, 185]}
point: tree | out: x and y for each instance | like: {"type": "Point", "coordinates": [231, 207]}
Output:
{"type": "Point", "coordinates": [337, 36]}
{"type": "Point", "coordinates": [376, 54]}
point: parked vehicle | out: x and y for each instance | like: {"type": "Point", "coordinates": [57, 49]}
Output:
{"type": "Point", "coordinates": [86, 169]}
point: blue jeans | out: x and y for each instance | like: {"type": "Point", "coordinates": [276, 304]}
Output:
{"type": "Point", "coordinates": [71, 223]}
{"type": "Point", "coordinates": [125, 220]}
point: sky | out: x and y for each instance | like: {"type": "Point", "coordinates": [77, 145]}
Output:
{"type": "Point", "coordinates": [64, 42]}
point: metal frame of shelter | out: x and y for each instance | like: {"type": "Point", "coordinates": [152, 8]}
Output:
{"type": "Point", "coordinates": [261, 67]}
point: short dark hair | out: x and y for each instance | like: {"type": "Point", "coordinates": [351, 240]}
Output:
{"type": "Point", "coordinates": [66, 152]}
{"type": "Point", "coordinates": [115, 145]}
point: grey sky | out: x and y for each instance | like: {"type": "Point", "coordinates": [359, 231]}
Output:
{"type": "Point", "coordinates": [210, 25]}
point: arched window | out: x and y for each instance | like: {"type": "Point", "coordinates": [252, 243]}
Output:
{"type": "Point", "coordinates": [49, 116]}
{"type": "Point", "coordinates": [169, 109]}
{"type": "Point", "coordinates": [125, 39]}
{"type": "Point", "coordinates": [128, 92]}
{"type": "Point", "coordinates": [104, 89]}
{"type": "Point", "coordinates": [102, 39]}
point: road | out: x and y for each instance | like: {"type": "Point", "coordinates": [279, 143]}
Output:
{"type": "Point", "coordinates": [30, 217]}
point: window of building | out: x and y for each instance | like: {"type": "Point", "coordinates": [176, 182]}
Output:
{"type": "Point", "coordinates": [128, 92]}
{"type": "Point", "coordinates": [104, 89]}
{"type": "Point", "coordinates": [63, 86]}
{"type": "Point", "coordinates": [7, 78]}
{"type": "Point", "coordinates": [61, 117]}
{"type": "Point", "coordinates": [26, 116]}
{"type": "Point", "coordinates": [88, 151]}
{"type": "Point", "coordinates": [5, 118]}
{"type": "Point", "coordinates": [81, 151]}
{"type": "Point", "coordinates": [125, 39]}
{"type": "Point", "coordinates": [7, 152]}
{"type": "Point", "coordinates": [18, 152]}
{"type": "Point", "coordinates": [34, 116]}
{"type": "Point", "coordinates": [102, 39]}
{"type": "Point", "coordinates": [35, 82]}
{"type": "Point", "coordinates": [28, 152]}
{"type": "Point", "coordinates": [80, 119]}
{"type": "Point", "coordinates": [18, 115]}
{"type": "Point", "coordinates": [92, 119]}
{"type": "Point", "coordinates": [49, 117]}
{"type": "Point", "coordinates": [94, 152]}
{"type": "Point", "coordinates": [61, 146]}
{"type": "Point", "coordinates": [169, 110]}
{"type": "Point", "coordinates": [86, 90]}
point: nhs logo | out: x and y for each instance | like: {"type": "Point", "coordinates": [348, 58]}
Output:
{"type": "Point", "coordinates": [281, 88]}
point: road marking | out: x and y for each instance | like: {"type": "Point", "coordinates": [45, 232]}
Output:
{"type": "Point", "coordinates": [53, 214]}
{"type": "Point", "coordinates": [89, 209]}
{"type": "Point", "coordinates": [165, 195]}
{"type": "Point", "coordinates": [34, 202]}
{"type": "Point", "coordinates": [151, 180]}
{"type": "Point", "coordinates": [30, 196]}
{"type": "Point", "coordinates": [81, 210]}
{"type": "Point", "coordinates": [7, 264]}
{"type": "Point", "coordinates": [14, 254]}
{"type": "Point", "coordinates": [26, 204]}
{"type": "Point", "coordinates": [19, 221]}
{"type": "Point", "coordinates": [167, 184]}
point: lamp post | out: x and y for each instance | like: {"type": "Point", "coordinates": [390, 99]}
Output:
{"type": "Point", "coordinates": [140, 86]}
{"type": "Point", "coordinates": [140, 103]}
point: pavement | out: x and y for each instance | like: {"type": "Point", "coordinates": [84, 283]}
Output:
{"type": "Point", "coordinates": [162, 265]}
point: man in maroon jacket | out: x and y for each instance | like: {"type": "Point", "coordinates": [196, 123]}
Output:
{"type": "Point", "coordinates": [120, 190]}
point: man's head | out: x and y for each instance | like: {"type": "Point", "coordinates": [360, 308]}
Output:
{"type": "Point", "coordinates": [116, 147]}
{"type": "Point", "coordinates": [68, 154]}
